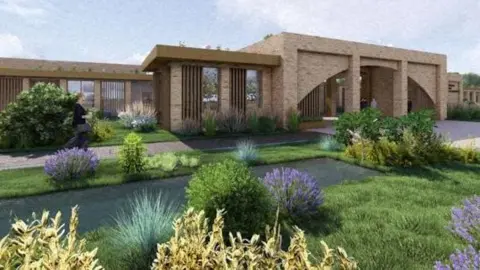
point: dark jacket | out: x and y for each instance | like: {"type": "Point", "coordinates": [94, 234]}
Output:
{"type": "Point", "coordinates": [78, 112]}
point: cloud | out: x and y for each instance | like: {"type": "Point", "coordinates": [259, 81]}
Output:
{"type": "Point", "coordinates": [352, 19]}
{"type": "Point", "coordinates": [12, 46]}
{"type": "Point", "coordinates": [23, 8]}
{"type": "Point", "coordinates": [134, 59]}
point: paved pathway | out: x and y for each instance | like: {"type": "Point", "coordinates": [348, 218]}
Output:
{"type": "Point", "coordinates": [25, 160]}
{"type": "Point", "coordinates": [98, 206]}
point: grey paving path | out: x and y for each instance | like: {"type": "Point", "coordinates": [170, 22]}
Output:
{"type": "Point", "coordinates": [25, 160]}
{"type": "Point", "coordinates": [98, 206]}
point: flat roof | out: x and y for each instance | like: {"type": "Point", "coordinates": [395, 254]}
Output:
{"type": "Point", "coordinates": [32, 73]}
{"type": "Point", "coordinates": [162, 54]}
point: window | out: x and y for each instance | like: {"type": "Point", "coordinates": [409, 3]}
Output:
{"type": "Point", "coordinates": [85, 87]}
{"type": "Point", "coordinates": [254, 97]}
{"type": "Point", "coordinates": [210, 86]}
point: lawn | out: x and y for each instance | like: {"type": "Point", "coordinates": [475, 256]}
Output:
{"type": "Point", "coordinates": [393, 221]}
{"type": "Point", "coordinates": [33, 181]}
{"type": "Point", "coordinates": [160, 135]}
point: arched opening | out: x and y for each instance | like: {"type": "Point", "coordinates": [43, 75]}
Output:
{"type": "Point", "coordinates": [418, 98]}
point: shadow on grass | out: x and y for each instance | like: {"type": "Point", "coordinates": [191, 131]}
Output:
{"type": "Point", "coordinates": [325, 222]}
{"type": "Point", "coordinates": [437, 172]}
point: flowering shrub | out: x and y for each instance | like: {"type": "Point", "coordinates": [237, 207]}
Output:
{"type": "Point", "coordinates": [467, 259]}
{"type": "Point", "coordinates": [296, 193]}
{"type": "Point", "coordinates": [135, 115]}
{"type": "Point", "coordinates": [40, 116]}
{"type": "Point", "coordinates": [465, 224]}
{"type": "Point", "coordinates": [144, 123]}
{"type": "Point", "coordinates": [466, 221]}
{"type": "Point", "coordinates": [246, 151]}
{"type": "Point", "coordinates": [71, 164]}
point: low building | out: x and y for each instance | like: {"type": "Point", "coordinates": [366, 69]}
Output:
{"type": "Point", "coordinates": [108, 87]}
{"type": "Point", "coordinates": [319, 76]}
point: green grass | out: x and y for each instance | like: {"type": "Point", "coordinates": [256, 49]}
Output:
{"type": "Point", "coordinates": [160, 135]}
{"type": "Point", "coordinates": [33, 181]}
{"type": "Point", "coordinates": [393, 221]}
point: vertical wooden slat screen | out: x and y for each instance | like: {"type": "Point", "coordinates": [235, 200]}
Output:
{"type": "Point", "coordinates": [238, 89]}
{"type": "Point", "coordinates": [192, 98]}
{"type": "Point", "coordinates": [10, 87]}
{"type": "Point", "coordinates": [113, 96]}
{"type": "Point", "coordinates": [311, 105]}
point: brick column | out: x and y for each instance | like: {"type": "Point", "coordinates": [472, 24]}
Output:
{"type": "Point", "coordinates": [63, 84]}
{"type": "Point", "coordinates": [97, 96]}
{"type": "Point", "coordinates": [128, 93]}
{"type": "Point", "coordinates": [175, 97]}
{"type": "Point", "coordinates": [25, 83]}
{"type": "Point", "coordinates": [224, 89]}
{"type": "Point", "coordinates": [352, 90]}
{"type": "Point", "coordinates": [400, 89]}
{"type": "Point", "coordinates": [266, 90]}
{"type": "Point", "coordinates": [460, 92]}
{"type": "Point", "coordinates": [441, 92]}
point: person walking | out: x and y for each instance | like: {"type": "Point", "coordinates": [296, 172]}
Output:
{"type": "Point", "coordinates": [373, 104]}
{"type": "Point", "coordinates": [80, 125]}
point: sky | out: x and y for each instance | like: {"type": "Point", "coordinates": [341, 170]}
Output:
{"type": "Point", "coordinates": [119, 31]}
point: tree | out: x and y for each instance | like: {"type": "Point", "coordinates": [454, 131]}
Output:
{"type": "Point", "coordinates": [471, 80]}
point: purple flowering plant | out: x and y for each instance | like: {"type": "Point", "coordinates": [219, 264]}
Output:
{"type": "Point", "coordinates": [466, 221]}
{"type": "Point", "coordinates": [71, 164]}
{"type": "Point", "coordinates": [296, 193]}
{"type": "Point", "coordinates": [465, 224]}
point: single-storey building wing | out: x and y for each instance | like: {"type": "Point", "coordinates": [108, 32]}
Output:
{"type": "Point", "coordinates": [319, 76]}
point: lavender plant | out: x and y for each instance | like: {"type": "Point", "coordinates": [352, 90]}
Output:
{"type": "Point", "coordinates": [296, 193]}
{"type": "Point", "coordinates": [467, 259]}
{"type": "Point", "coordinates": [465, 224]}
{"type": "Point", "coordinates": [71, 164]}
{"type": "Point", "coordinates": [466, 221]}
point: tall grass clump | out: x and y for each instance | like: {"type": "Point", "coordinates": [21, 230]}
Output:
{"type": "Point", "coordinates": [137, 115]}
{"type": "Point", "coordinates": [209, 121]}
{"type": "Point", "coordinates": [330, 144]}
{"type": "Point", "coordinates": [145, 222]}
{"type": "Point", "coordinates": [232, 121]}
{"type": "Point", "coordinates": [293, 120]}
{"type": "Point", "coordinates": [247, 152]}
{"type": "Point", "coordinates": [464, 112]}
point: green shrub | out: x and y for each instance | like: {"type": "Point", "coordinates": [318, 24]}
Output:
{"type": "Point", "coordinates": [144, 223]}
{"type": "Point", "coordinates": [464, 112]}
{"type": "Point", "coordinates": [367, 122]}
{"type": "Point", "coordinates": [231, 186]}
{"type": "Point", "coordinates": [166, 161]}
{"type": "Point", "coordinates": [101, 130]}
{"type": "Point", "coordinates": [293, 120]}
{"type": "Point", "coordinates": [190, 162]}
{"type": "Point", "coordinates": [209, 118]}
{"type": "Point", "coordinates": [132, 154]}
{"type": "Point", "coordinates": [267, 124]}
{"type": "Point", "coordinates": [253, 123]}
{"type": "Point", "coordinates": [41, 116]}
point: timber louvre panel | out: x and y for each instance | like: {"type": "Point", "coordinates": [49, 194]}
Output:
{"type": "Point", "coordinates": [238, 89]}
{"type": "Point", "coordinates": [113, 96]}
{"type": "Point", "coordinates": [310, 105]}
{"type": "Point", "coordinates": [10, 87]}
{"type": "Point", "coordinates": [192, 92]}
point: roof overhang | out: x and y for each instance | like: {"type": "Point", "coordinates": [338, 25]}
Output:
{"type": "Point", "coordinates": [85, 75]}
{"type": "Point", "coordinates": [162, 54]}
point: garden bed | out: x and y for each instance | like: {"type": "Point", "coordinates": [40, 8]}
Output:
{"type": "Point", "coordinates": [312, 124]}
